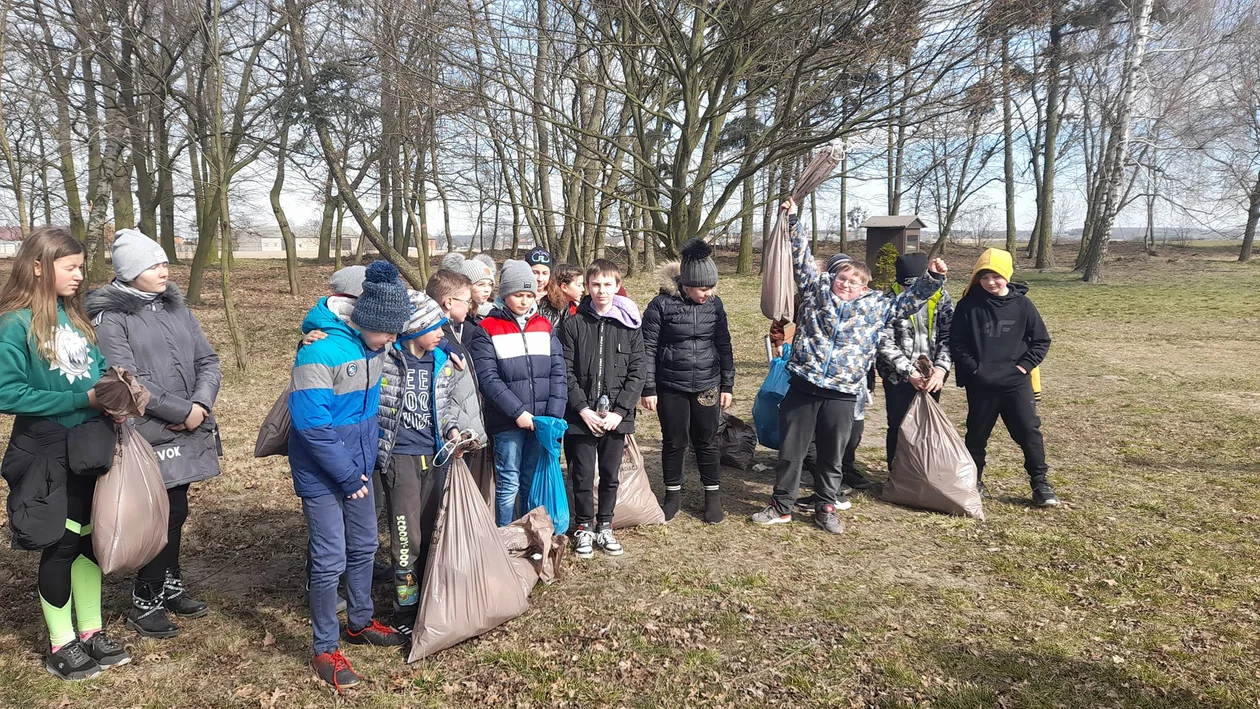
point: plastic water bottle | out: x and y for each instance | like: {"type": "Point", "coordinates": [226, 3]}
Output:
{"type": "Point", "coordinates": [602, 407]}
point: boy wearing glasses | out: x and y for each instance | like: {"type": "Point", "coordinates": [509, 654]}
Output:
{"type": "Point", "coordinates": [840, 323]}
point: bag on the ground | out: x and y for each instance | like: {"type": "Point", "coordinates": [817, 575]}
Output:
{"type": "Point", "coordinates": [636, 503]}
{"type": "Point", "coordinates": [778, 288]}
{"type": "Point", "coordinates": [736, 441]}
{"type": "Point", "coordinates": [470, 584]}
{"type": "Point", "coordinates": [547, 489]}
{"type": "Point", "coordinates": [130, 509]}
{"type": "Point", "coordinates": [766, 406]}
{"type": "Point", "coordinates": [273, 435]}
{"type": "Point", "coordinates": [932, 469]}
{"type": "Point", "coordinates": [535, 549]}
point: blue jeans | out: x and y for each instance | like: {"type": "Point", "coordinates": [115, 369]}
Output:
{"type": "Point", "coordinates": [342, 534]}
{"type": "Point", "coordinates": [515, 459]}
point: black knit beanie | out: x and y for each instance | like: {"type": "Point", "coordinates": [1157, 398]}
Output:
{"type": "Point", "coordinates": [384, 306]}
{"type": "Point", "coordinates": [697, 268]}
{"type": "Point", "coordinates": [910, 266]}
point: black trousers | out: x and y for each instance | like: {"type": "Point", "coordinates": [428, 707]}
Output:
{"type": "Point", "coordinates": [828, 423]}
{"type": "Point", "coordinates": [848, 463]}
{"type": "Point", "coordinates": [1018, 410]}
{"type": "Point", "coordinates": [154, 572]}
{"type": "Point", "coordinates": [55, 561]}
{"type": "Point", "coordinates": [897, 400]}
{"type": "Point", "coordinates": [413, 494]}
{"type": "Point", "coordinates": [684, 419]}
{"type": "Point", "coordinates": [586, 454]}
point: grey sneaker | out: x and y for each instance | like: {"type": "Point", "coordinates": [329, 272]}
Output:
{"type": "Point", "coordinates": [826, 520]}
{"type": "Point", "coordinates": [106, 651]}
{"type": "Point", "coordinates": [606, 542]}
{"type": "Point", "coordinates": [771, 515]}
{"type": "Point", "coordinates": [71, 663]}
{"type": "Point", "coordinates": [584, 543]}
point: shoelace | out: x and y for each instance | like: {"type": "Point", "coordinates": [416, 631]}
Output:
{"type": "Point", "coordinates": [104, 643]}
{"type": "Point", "coordinates": [376, 626]}
{"type": "Point", "coordinates": [148, 605]}
{"type": "Point", "coordinates": [606, 539]}
{"type": "Point", "coordinates": [339, 662]}
{"type": "Point", "coordinates": [74, 654]}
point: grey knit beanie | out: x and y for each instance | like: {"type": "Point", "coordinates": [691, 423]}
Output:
{"type": "Point", "coordinates": [348, 281]}
{"type": "Point", "coordinates": [516, 277]}
{"type": "Point", "coordinates": [834, 262]}
{"type": "Point", "coordinates": [488, 260]}
{"type": "Point", "coordinates": [384, 306]}
{"type": "Point", "coordinates": [697, 268]}
{"type": "Point", "coordinates": [135, 253]}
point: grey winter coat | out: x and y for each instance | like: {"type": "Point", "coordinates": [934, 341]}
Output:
{"type": "Point", "coordinates": [455, 400]}
{"type": "Point", "coordinates": [161, 342]}
{"type": "Point", "coordinates": [896, 341]}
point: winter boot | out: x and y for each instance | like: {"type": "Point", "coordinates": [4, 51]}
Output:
{"type": "Point", "coordinates": [713, 504]}
{"type": "Point", "coordinates": [148, 613]}
{"type": "Point", "coordinates": [673, 501]}
{"type": "Point", "coordinates": [177, 599]}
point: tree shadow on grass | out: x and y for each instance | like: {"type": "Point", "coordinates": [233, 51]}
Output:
{"type": "Point", "coordinates": [1030, 679]}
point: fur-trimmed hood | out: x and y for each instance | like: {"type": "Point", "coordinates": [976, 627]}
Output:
{"type": "Point", "coordinates": [112, 299]}
{"type": "Point", "coordinates": [667, 277]}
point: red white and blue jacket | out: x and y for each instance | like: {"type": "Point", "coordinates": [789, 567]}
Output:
{"type": "Point", "coordinates": [518, 369]}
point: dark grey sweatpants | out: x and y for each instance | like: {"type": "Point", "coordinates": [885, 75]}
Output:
{"type": "Point", "coordinates": [413, 494]}
{"type": "Point", "coordinates": [800, 417]}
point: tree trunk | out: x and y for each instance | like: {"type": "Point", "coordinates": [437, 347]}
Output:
{"type": "Point", "coordinates": [746, 222]}
{"type": "Point", "coordinates": [1045, 210]}
{"type": "Point", "coordinates": [844, 202]}
{"type": "Point", "coordinates": [165, 186]}
{"type": "Point", "coordinates": [1008, 145]}
{"type": "Point", "coordinates": [15, 175]}
{"type": "Point", "coordinates": [282, 220]}
{"type": "Point", "coordinates": [325, 221]}
{"type": "Point", "coordinates": [225, 272]}
{"type": "Point", "coordinates": [1253, 217]}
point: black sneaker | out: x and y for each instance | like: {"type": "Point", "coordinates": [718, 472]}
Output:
{"type": "Point", "coordinates": [584, 543]}
{"type": "Point", "coordinates": [177, 600]}
{"type": "Point", "coordinates": [827, 520]}
{"type": "Point", "coordinates": [805, 505]}
{"type": "Point", "coordinates": [1043, 495]}
{"type": "Point", "coordinates": [148, 613]}
{"type": "Point", "coordinates": [606, 542]}
{"type": "Point", "coordinates": [404, 621]}
{"type": "Point", "coordinates": [335, 669]}
{"type": "Point", "coordinates": [106, 651]}
{"type": "Point", "coordinates": [980, 488]}
{"type": "Point", "coordinates": [856, 480]}
{"type": "Point", "coordinates": [71, 663]}
{"type": "Point", "coordinates": [376, 634]}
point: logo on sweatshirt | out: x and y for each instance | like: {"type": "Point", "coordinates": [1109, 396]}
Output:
{"type": "Point", "coordinates": [352, 370]}
{"type": "Point", "coordinates": [73, 356]}
{"type": "Point", "coordinates": [998, 328]}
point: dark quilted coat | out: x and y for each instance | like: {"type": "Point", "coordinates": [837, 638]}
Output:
{"type": "Point", "coordinates": [688, 345]}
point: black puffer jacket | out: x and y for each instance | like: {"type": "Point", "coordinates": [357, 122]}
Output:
{"type": "Point", "coordinates": [603, 356]}
{"type": "Point", "coordinates": [688, 344]}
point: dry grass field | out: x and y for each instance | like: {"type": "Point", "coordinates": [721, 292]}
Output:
{"type": "Point", "coordinates": [1140, 590]}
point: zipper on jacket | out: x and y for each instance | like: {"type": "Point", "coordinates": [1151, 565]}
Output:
{"type": "Point", "coordinates": [599, 372]}
{"type": "Point", "coordinates": [529, 363]}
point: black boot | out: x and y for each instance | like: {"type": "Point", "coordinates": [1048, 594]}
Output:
{"type": "Point", "coordinates": [177, 599]}
{"type": "Point", "coordinates": [148, 614]}
{"type": "Point", "coordinates": [713, 505]}
{"type": "Point", "coordinates": [672, 503]}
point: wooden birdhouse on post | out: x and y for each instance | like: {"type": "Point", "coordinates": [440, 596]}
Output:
{"type": "Point", "coordinates": [901, 231]}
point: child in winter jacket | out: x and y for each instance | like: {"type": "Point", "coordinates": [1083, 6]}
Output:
{"type": "Point", "coordinates": [334, 405]}
{"type": "Point", "coordinates": [835, 344]}
{"type": "Point", "coordinates": [904, 340]}
{"type": "Point", "coordinates": [603, 354]}
{"type": "Point", "coordinates": [143, 327]}
{"type": "Point", "coordinates": [564, 292]}
{"type": "Point", "coordinates": [998, 340]}
{"type": "Point", "coordinates": [426, 401]}
{"type": "Point", "coordinates": [520, 369]}
{"type": "Point", "coordinates": [690, 373]}
{"type": "Point", "coordinates": [48, 365]}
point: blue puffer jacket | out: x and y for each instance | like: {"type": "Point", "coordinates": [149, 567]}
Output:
{"type": "Point", "coordinates": [334, 402]}
{"type": "Point", "coordinates": [518, 369]}
{"type": "Point", "coordinates": [836, 341]}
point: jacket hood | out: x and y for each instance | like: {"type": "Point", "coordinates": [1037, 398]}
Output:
{"type": "Point", "coordinates": [623, 311]}
{"type": "Point", "coordinates": [667, 277]}
{"type": "Point", "coordinates": [997, 260]}
{"type": "Point", "coordinates": [112, 299]}
{"type": "Point", "coordinates": [331, 314]}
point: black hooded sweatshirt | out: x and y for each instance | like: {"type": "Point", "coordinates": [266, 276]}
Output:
{"type": "Point", "coordinates": [991, 335]}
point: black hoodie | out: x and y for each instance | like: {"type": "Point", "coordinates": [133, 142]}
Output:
{"type": "Point", "coordinates": [991, 335]}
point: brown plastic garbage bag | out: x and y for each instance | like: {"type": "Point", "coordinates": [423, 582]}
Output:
{"type": "Point", "coordinates": [778, 288]}
{"type": "Point", "coordinates": [120, 394]}
{"type": "Point", "coordinates": [737, 441]}
{"type": "Point", "coordinates": [130, 510]}
{"type": "Point", "coordinates": [273, 435]}
{"type": "Point", "coordinates": [636, 503]}
{"type": "Point", "coordinates": [481, 465]}
{"type": "Point", "coordinates": [470, 585]}
{"type": "Point", "coordinates": [932, 469]}
{"type": "Point", "coordinates": [533, 538]}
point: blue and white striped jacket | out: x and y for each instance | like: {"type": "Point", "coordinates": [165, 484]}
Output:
{"type": "Point", "coordinates": [334, 403]}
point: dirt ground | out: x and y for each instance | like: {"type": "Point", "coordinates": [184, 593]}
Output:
{"type": "Point", "coordinates": [1140, 590]}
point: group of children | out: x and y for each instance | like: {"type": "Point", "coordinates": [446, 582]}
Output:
{"type": "Point", "coordinates": [995, 338]}
{"type": "Point", "coordinates": [391, 384]}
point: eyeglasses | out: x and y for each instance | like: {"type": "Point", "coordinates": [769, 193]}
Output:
{"type": "Point", "coordinates": [850, 284]}
{"type": "Point", "coordinates": [465, 301]}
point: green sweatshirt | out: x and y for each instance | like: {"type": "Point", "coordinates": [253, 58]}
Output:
{"type": "Point", "coordinates": [32, 387]}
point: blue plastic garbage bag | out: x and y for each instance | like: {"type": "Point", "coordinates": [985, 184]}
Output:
{"type": "Point", "coordinates": [548, 490]}
{"type": "Point", "coordinates": [766, 405]}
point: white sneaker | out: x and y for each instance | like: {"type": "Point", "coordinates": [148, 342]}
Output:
{"type": "Point", "coordinates": [584, 543]}
{"type": "Point", "coordinates": [607, 542]}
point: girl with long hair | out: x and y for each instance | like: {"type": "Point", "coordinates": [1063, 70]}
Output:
{"type": "Point", "coordinates": [562, 295]}
{"type": "Point", "coordinates": [49, 363]}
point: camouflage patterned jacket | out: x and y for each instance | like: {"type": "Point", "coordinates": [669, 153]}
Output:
{"type": "Point", "coordinates": [836, 341]}
{"type": "Point", "coordinates": [896, 342]}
